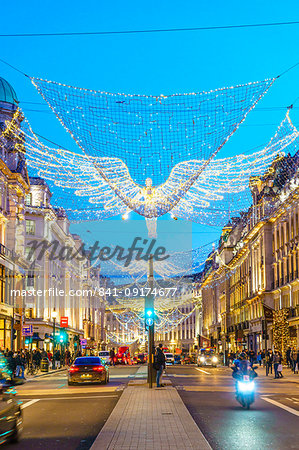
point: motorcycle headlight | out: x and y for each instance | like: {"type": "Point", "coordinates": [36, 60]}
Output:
{"type": "Point", "coordinates": [202, 359]}
{"type": "Point", "coordinates": [246, 387]}
{"type": "Point", "coordinates": [215, 359]}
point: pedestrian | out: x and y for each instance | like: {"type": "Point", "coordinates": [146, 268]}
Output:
{"type": "Point", "coordinates": [276, 362]}
{"type": "Point", "coordinates": [251, 355]}
{"type": "Point", "coordinates": [44, 354]}
{"type": "Point", "coordinates": [279, 368]}
{"type": "Point", "coordinates": [37, 358]}
{"type": "Point", "coordinates": [57, 359]}
{"type": "Point", "coordinates": [263, 355]}
{"type": "Point", "coordinates": [293, 358]}
{"type": "Point", "coordinates": [49, 354]}
{"type": "Point", "coordinates": [112, 357]}
{"type": "Point", "coordinates": [11, 364]}
{"type": "Point", "coordinates": [67, 357]}
{"type": "Point", "coordinates": [259, 358]}
{"type": "Point", "coordinates": [296, 361]}
{"type": "Point", "coordinates": [20, 365]}
{"type": "Point", "coordinates": [288, 357]}
{"type": "Point", "coordinates": [160, 363]}
{"type": "Point", "coordinates": [269, 362]}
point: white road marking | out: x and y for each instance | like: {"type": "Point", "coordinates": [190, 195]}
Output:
{"type": "Point", "coordinates": [179, 375]}
{"type": "Point", "coordinates": [201, 370]}
{"type": "Point", "coordinates": [31, 402]}
{"type": "Point", "coordinates": [280, 405]}
{"type": "Point", "coordinates": [75, 398]}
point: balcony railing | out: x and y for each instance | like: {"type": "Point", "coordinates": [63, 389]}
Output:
{"type": "Point", "coordinates": [4, 251]}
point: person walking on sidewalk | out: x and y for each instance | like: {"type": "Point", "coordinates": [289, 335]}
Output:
{"type": "Point", "coordinates": [269, 362]}
{"type": "Point", "coordinates": [20, 365]}
{"type": "Point", "coordinates": [276, 362]}
{"type": "Point", "coordinates": [295, 360]}
{"type": "Point", "coordinates": [57, 359]}
{"type": "Point", "coordinates": [279, 368]}
{"type": "Point", "coordinates": [160, 362]}
{"type": "Point", "coordinates": [67, 357]}
{"type": "Point", "coordinates": [288, 357]}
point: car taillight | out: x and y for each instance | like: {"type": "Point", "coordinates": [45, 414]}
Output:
{"type": "Point", "coordinates": [73, 369]}
{"type": "Point", "coordinates": [98, 368]}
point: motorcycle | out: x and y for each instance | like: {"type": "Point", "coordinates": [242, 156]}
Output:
{"type": "Point", "coordinates": [245, 386]}
{"type": "Point", "coordinates": [245, 391]}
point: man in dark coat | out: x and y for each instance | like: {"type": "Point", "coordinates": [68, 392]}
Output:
{"type": "Point", "coordinates": [159, 364]}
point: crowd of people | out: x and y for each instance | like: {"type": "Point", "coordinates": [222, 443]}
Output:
{"type": "Point", "coordinates": [24, 361]}
{"type": "Point", "coordinates": [271, 360]}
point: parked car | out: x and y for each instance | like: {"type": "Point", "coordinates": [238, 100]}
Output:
{"type": "Point", "coordinates": [169, 358]}
{"type": "Point", "coordinates": [105, 356]}
{"type": "Point", "coordinates": [88, 369]}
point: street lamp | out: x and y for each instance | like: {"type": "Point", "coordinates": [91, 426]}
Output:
{"type": "Point", "coordinates": [54, 315]}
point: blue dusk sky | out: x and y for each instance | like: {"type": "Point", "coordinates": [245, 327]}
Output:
{"type": "Point", "coordinates": [154, 63]}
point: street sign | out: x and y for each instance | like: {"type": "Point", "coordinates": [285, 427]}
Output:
{"type": "Point", "coordinates": [149, 321]}
{"type": "Point", "coordinates": [64, 322]}
{"type": "Point", "coordinates": [27, 330]}
{"type": "Point", "coordinates": [83, 341]}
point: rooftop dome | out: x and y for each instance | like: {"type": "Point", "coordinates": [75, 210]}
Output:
{"type": "Point", "coordinates": [7, 92]}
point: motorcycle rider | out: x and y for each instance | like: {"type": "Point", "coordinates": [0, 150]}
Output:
{"type": "Point", "coordinates": [240, 368]}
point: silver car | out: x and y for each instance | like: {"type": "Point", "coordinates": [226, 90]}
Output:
{"type": "Point", "coordinates": [169, 357]}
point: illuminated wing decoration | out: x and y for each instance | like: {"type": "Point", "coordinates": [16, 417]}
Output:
{"type": "Point", "coordinates": [87, 192]}
{"type": "Point", "coordinates": [137, 142]}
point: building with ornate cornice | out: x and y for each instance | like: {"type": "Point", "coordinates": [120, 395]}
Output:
{"type": "Point", "coordinates": [61, 272]}
{"type": "Point", "coordinates": [250, 286]}
{"type": "Point", "coordinates": [14, 185]}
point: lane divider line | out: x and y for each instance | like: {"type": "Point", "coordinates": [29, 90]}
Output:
{"type": "Point", "coordinates": [31, 402]}
{"type": "Point", "coordinates": [82, 397]}
{"type": "Point", "coordinates": [201, 370]}
{"type": "Point", "coordinates": [281, 405]}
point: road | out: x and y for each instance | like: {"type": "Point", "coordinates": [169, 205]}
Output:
{"type": "Point", "coordinates": [208, 394]}
{"type": "Point", "coordinates": [58, 416]}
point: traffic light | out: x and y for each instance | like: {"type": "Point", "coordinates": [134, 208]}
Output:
{"type": "Point", "coordinates": [149, 317]}
{"type": "Point", "coordinates": [27, 341]}
{"type": "Point", "coordinates": [63, 338]}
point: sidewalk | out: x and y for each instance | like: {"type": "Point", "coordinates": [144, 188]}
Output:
{"type": "Point", "coordinates": [147, 418]}
{"type": "Point", "coordinates": [288, 374]}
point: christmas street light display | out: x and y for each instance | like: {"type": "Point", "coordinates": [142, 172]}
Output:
{"type": "Point", "coordinates": [151, 155]}
{"type": "Point", "coordinates": [220, 191]}
{"type": "Point", "coordinates": [137, 143]}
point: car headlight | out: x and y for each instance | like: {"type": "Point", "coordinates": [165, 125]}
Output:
{"type": "Point", "coordinates": [246, 387]}
{"type": "Point", "coordinates": [214, 359]}
{"type": "Point", "coordinates": [202, 359]}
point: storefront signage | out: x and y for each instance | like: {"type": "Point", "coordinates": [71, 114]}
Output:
{"type": "Point", "coordinates": [83, 342]}
{"type": "Point", "coordinates": [64, 321]}
{"type": "Point", "coordinates": [27, 330]}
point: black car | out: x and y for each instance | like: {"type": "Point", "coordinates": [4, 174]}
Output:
{"type": "Point", "coordinates": [88, 369]}
{"type": "Point", "coordinates": [11, 420]}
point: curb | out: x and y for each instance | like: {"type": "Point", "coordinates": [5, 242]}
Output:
{"type": "Point", "coordinates": [45, 374]}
